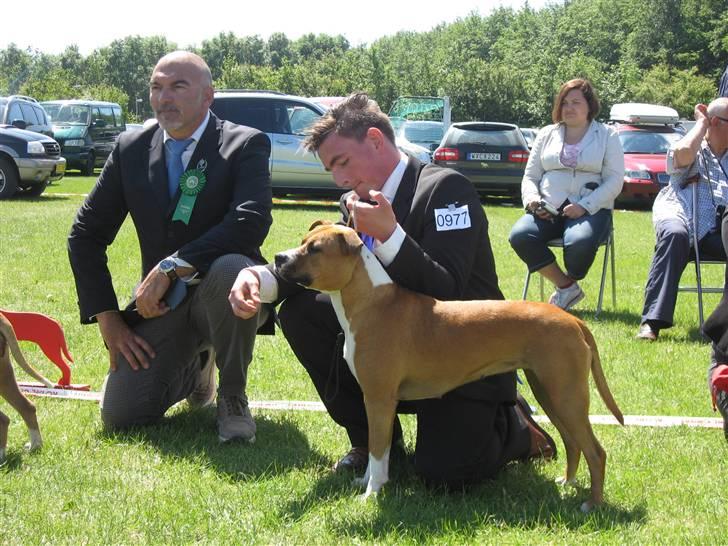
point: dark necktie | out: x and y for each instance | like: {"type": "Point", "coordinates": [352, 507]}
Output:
{"type": "Point", "coordinates": [175, 148]}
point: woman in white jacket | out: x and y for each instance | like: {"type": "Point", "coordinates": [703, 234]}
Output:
{"type": "Point", "coordinates": [574, 173]}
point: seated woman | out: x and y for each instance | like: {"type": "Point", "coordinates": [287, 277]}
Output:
{"type": "Point", "coordinates": [574, 173]}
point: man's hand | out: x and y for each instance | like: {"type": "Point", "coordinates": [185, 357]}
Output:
{"type": "Point", "coordinates": [119, 338]}
{"type": "Point", "coordinates": [573, 211]}
{"type": "Point", "coordinates": [149, 294]}
{"type": "Point", "coordinates": [377, 220]}
{"type": "Point", "coordinates": [244, 296]}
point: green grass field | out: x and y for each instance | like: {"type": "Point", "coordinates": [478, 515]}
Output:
{"type": "Point", "coordinates": [174, 483]}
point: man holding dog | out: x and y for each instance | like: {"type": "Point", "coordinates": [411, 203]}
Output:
{"type": "Point", "coordinates": [397, 205]}
{"type": "Point", "coordinates": [198, 191]}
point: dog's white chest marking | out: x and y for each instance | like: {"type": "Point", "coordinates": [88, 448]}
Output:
{"type": "Point", "coordinates": [378, 277]}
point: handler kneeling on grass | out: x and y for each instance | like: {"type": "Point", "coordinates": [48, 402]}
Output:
{"type": "Point", "coordinates": [471, 432]}
{"type": "Point", "coordinates": [198, 191]}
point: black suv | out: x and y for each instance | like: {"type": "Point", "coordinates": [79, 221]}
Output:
{"type": "Point", "coordinates": [28, 161]}
{"type": "Point", "coordinates": [24, 113]}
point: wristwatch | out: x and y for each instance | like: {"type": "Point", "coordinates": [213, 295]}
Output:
{"type": "Point", "coordinates": [168, 266]}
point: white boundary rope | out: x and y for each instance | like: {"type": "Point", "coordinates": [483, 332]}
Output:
{"type": "Point", "coordinates": [658, 421]}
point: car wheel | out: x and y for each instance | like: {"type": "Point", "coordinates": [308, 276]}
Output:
{"type": "Point", "coordinates": [88, 168]}
{"type": "Point", "coordinates": [8, 179]}
{"type": "Point", "coordinates": [38, 189]}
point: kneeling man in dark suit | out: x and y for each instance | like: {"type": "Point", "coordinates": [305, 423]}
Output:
{"type": "Point", "coordinates": [198, 192]}
{"type": "Point", "coordinates": [471, 432]}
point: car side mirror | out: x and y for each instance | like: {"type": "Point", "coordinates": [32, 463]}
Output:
{"type": "Point", "coordinates": [19, 123]}
{"type": "Point", "coordinates": [99, 123]}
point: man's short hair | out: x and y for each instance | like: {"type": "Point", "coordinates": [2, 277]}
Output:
{"type": "Point", "coordinates": [351, 118]}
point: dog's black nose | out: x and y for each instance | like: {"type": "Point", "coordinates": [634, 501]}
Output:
{"type": "Point", "coordinates": [281, 259]}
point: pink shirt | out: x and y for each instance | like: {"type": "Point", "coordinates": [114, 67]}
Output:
{"type": "Point", "coordinates": [569, 154]}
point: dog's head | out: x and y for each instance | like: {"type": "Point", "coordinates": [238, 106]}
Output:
{"type": "Point", "coordinates": [325, 260]}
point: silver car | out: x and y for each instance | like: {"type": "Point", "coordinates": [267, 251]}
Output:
{"type": "Point", "coordinates": [284, 118]}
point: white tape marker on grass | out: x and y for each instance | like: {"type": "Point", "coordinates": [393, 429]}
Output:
{"type": "Point", "coordinates": [660, 421]}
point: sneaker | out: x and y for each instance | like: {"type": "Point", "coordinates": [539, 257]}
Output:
{"type": "Point", "coordinates": [203, 394]}
{"type": "Point", "coordinates": [567, 297]}
{"type": "Point", "coordinates": [234, 421]}
{"type": "Point", "coordinates": [648, 332]}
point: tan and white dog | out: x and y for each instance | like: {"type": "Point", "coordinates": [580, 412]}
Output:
{"type": "Point", "coordinates": [9, 388]}
{"type": "Point", "coordinates": [401, 345]}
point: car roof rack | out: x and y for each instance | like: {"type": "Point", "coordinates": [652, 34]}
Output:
{"type": "Point", "coordinates": [24, 97]}
{"type": "Point", "coordinates": [250, 91]}
{"type": "Point", "coordinates": [638, 113]}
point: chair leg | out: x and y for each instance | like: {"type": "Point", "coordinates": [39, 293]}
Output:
{"type": "Point", "coordinates": [525, 285]}
{"type": "Point", "coordinates": [603, 280]}
{"type": "Point", "coordinates": [614, 276]}
{"type": "Point", "coordinates": [699, 283]}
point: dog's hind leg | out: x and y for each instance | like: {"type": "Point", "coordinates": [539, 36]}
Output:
{"type": "Point", "coordinates": [380, 416]}
{"type": "Point", "coordinates": [10, 391]}
{"type": "Point", "coordinates": [4, 424]}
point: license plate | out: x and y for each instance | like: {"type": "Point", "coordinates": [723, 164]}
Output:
{"type": "Point", "coordinates": [481, 156]}
{"type": "Point", "coordinates": [59, 169]}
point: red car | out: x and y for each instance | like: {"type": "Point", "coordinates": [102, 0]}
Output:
{"type": "Point", "coordinates": [646, 132]}
{"type": "Point", "coordinates": [645, 148]}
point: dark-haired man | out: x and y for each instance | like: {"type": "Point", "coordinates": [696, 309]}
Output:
{"type": "Point", "coordinates": [471, 432]}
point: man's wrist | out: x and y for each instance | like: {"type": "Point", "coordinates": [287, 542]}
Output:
{"type": "Point", "coordinates": [175, 268]}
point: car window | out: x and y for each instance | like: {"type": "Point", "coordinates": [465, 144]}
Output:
{"type": "Point", "coordinates": [29, 114]}
{"type": "Point", "coordinates": [300, 118]}
{"type": "Point", "coordinates": [96, 113]}
{"type": "Point", "coordinates": [118, 116]}
{"type": "Point", "coordinates": [253, 113]}
{"type": "Point", "coordinates": [2, 112]}
{"type": "Point", "coordinates": [107, 115]}
{"type": "Point", "coordinates": [637, 142]}
{"type": "Point", "coordinates": [495, 137]}
{"type": "Point", "coordinates": [40, 114]}
{"type": "Point", "coordinates": [51, 110]}
{"type": "Point", "coordinates": [424, 134]}
{"type": "Point", "coordinates": [14, 112]}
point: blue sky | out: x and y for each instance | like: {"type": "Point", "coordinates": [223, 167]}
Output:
{"type": "Point", "coordinates": [91, 24]}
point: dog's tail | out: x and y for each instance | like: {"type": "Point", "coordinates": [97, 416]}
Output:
{"type": "Point", "coordinates": [598, 374]}
{"type": "Point", "coordinates": [12, 341]}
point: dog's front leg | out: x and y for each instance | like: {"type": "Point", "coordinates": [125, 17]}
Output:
{"type": "Point", "coordinates": [380, 417]}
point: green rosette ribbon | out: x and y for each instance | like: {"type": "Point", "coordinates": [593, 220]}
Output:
{"type": "Point", "coordinates": [191, 183]}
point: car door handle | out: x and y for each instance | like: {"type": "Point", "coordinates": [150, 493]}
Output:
{"type": "Point", "coordinates": [284, 141]}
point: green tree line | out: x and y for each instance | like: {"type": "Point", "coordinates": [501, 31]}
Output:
{"type": "Point", "coordinates": [505, 66]}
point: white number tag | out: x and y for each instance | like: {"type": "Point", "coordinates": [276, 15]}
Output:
{"type": "Point", "coordinates": [452, 218]}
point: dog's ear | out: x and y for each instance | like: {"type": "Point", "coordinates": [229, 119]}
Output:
{"type": "Point", "coordinates": [349, 242]}
{"type": "Point", "coordinates": [317, 223]}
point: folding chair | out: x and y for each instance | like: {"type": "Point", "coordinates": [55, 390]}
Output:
{"type": "Point", "coordinates": [698, 261]}
{"type": "Point", "coordinates": [608, 245]}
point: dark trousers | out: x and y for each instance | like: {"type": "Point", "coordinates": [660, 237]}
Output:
{"type": "Point", "coordinates": [460, 440]}
{"type": "Point", "coordinates": [672, 252]}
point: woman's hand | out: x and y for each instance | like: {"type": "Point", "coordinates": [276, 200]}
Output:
{"type": "Point", "coordinates": [572, 210]}
{"type": "Point", "coordinates": [533, 208]}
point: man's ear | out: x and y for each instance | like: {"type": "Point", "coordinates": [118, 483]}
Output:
{"type": "Point", "coordinates": [317, 223]}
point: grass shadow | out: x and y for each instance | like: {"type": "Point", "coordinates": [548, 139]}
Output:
{"type": "Point", "coordinates": [280, 445]}
{"type": "Point", "coordinates": [520, 497]}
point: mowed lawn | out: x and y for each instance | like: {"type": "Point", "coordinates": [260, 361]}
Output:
{"type": "Point", "coordinates": [174, 483]}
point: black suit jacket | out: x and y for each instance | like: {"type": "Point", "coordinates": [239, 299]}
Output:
{"type": "Point", "coordinates": [232, 214]}
{"type": "Point", "coordinates": [447, 265]}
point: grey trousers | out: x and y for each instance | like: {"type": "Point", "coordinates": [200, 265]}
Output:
{"type": "Point", "coordinates": [202, 322]}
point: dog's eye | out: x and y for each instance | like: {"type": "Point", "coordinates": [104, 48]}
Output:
{"type": "Point", "coordinates": [313, 248]}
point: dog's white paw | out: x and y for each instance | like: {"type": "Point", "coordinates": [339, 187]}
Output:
{"type": "Point", "coordinates": [36, 441]}
{"type": "Point", "coordinates": [563, 482]}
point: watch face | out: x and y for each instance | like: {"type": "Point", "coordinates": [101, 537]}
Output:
{"type": "Point", "coordinates": [166, 266]}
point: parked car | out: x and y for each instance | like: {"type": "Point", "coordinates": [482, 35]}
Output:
{"type": "Point", "coordinates": [86, 130]}
{"type": "Point", "coordinates": [492, 155]}
{"type": "Point", "coordinates": [284, 119]}
{"type": "Point", "coordinates": [529, 133]}
{"type": "Point", "coordinates": [420, 138]}
{"type": "Point", "coordinates": [24, 113]}
{"type": "Point", "coordinates": [646, 132]}
{"type": "Point", "coordinates": [29, 161]}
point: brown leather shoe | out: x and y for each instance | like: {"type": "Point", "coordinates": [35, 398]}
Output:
{"type": "Point", "coordinates": [647, 332]}
{"type": "Point", "coordinates": [355, 461]}
{"type": "Point", "coordinates": [542, 445]}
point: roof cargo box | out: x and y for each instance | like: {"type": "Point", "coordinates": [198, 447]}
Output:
{"type": "Point", "coordinates": [637, 112]}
